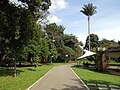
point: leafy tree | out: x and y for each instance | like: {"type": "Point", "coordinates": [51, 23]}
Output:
{"type": "Point", "coordinates": [89, 10]}
{"type": "Point", "coordinates": [44, 49]}
{"type": "Point", "coordinates": [14, 30]}
{"type": "Point", "coordinates": [94, 39]}
{"type": "Point", "coordinates": [36, 7]}
{"type": "Point", "coordinates": [65, 44]}
{"type": "Point", "coordinates": [81, 43]}
{"type": "Point", "coordinates": [69, 52]}
{"type": "Point", "coordinates": [32, 49]}
{"type": "Point", "coordinates": [55, 32]}
{"type": "Point", "coordinates": [17, 25]}
{"type": "Point", "coordinates": [107, 43]}
{"type": "Point", "coordinates": [53, 50]}
{"type": "Point", "coordinates": [72, 42]}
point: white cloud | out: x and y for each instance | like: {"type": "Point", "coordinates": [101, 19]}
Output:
{"type": "Point", "coordinates": [61, 4]}
{"type": "Point", "coordinates": [53, 19]}
{"type": "Point", "coordinates": [58, 5]}
{"type": "Point", "coordinates": [13, 0]}
{"type": "Point", "coordinates": [109, 33]}
{"type": "Point", "coordinates": [16, 1]}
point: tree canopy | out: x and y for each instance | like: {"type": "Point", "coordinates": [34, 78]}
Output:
{"type": "Point", "coordinates": [94, 40]}
{"type": "Point", "coordinates": [18, 24]}
{"type": "Point", "coordinates": [107, 43]}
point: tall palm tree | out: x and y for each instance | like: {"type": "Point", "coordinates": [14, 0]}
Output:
{"type": "Point", "coordinates": [89, 10]}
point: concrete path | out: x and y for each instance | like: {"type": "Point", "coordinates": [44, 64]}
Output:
{"type": "Point", "coordinates": [59, 78]}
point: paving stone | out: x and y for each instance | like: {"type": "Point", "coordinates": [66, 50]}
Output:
{"type": "Point", "coordinates": [102, 85]}
{"type": "Point", "coordinates": [114, 89]}
{"type": "Point", "coordinates": [114, 86]}
{"type": "Point", "coordinates": [103, 88]}
{"type": "Point", "coordinates": [91, 84]}
{"type": "Point", "coordinates": [93, 88]}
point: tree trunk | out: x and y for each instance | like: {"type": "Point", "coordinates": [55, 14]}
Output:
{"type": "Point", "coordinates": [89, 31]}
{"type": "Point", "coordinates": [20, 63]}
{"type": "Point", "coordinates": [14, 67]}
{"type": "Point", "coordinates": [104, 65]}
{"type": "Point", "coordinates": [1, 56]}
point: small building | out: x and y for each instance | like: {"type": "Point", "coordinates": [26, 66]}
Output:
{"type": "Point", "coordinates": [112, 52]}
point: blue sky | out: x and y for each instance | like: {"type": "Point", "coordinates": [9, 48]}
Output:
{"type": "Point", "coordinates": [105, 23]}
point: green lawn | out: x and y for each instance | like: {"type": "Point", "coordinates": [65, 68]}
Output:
{"type": "Point", "coordinates": [89, 76]}
{"type": "Point", "coordinates": [26, 76]}
{"type": "Point", "coordinates": [112, 62]}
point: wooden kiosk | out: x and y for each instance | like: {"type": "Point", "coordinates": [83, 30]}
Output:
{"type": "Point", "coordinates": [111, 52]}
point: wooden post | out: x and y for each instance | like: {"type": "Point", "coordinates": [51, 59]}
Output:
{"type": "Point", "coordinates": [104, 65]}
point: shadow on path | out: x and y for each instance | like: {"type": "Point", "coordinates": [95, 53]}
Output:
{"type": "Point", "coordinates": [70, 87]}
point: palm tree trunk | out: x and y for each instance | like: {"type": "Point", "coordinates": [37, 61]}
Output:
{"type": "Point", "coordinates": [89, 31]}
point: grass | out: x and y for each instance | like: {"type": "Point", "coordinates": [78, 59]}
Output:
{"type": "Point", "coordinates": [26, 76]}
{"type": "Point", "coordinates": [112, 62]}
{"type": "Point", "coordinates": [89, 76]}
{"type": "Point", "coordinates": [85, 60]}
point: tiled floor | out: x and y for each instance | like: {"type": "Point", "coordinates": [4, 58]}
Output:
{"type": "Point", "coordinates": [94, 86]}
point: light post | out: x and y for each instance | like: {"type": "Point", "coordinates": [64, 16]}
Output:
{"type": "Point", "coordinates": [51, 59]}
{"type": "Point", "coordinates": [66, 57]}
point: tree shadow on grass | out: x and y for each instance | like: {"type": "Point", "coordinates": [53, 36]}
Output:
{"type": "Point", "coordinates": [8, 71]}
{"type": "Point", "coordinates": [31, 69]}
{"type": "Point", "coordinates": [100, 71]}
{"type": "Point", "coordinates": [97, 82]}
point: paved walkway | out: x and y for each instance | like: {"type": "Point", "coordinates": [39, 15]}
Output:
{"type": "Point", "coordinates": [59, 78]}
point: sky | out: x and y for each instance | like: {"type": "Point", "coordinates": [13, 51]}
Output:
{"type": "Point", "coordinates": [105, 23]}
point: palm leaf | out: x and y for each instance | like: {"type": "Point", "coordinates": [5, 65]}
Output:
{"type": "Point", "coordinates": [89, 9]}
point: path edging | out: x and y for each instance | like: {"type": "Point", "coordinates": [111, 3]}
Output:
{"type": "Point", "coordinates": [40, 79]}
{"type": "Point", "coordinates": [80, 79]}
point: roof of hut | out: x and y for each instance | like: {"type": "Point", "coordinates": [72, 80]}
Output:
{"type": "Point", "coordinates": [113, 49]}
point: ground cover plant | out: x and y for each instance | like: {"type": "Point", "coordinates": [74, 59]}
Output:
{"type": "Point", "coordinates": [92, 76]}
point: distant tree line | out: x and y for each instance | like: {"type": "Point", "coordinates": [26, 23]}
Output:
{"type": "Point", "coordinates": [95, 42]}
